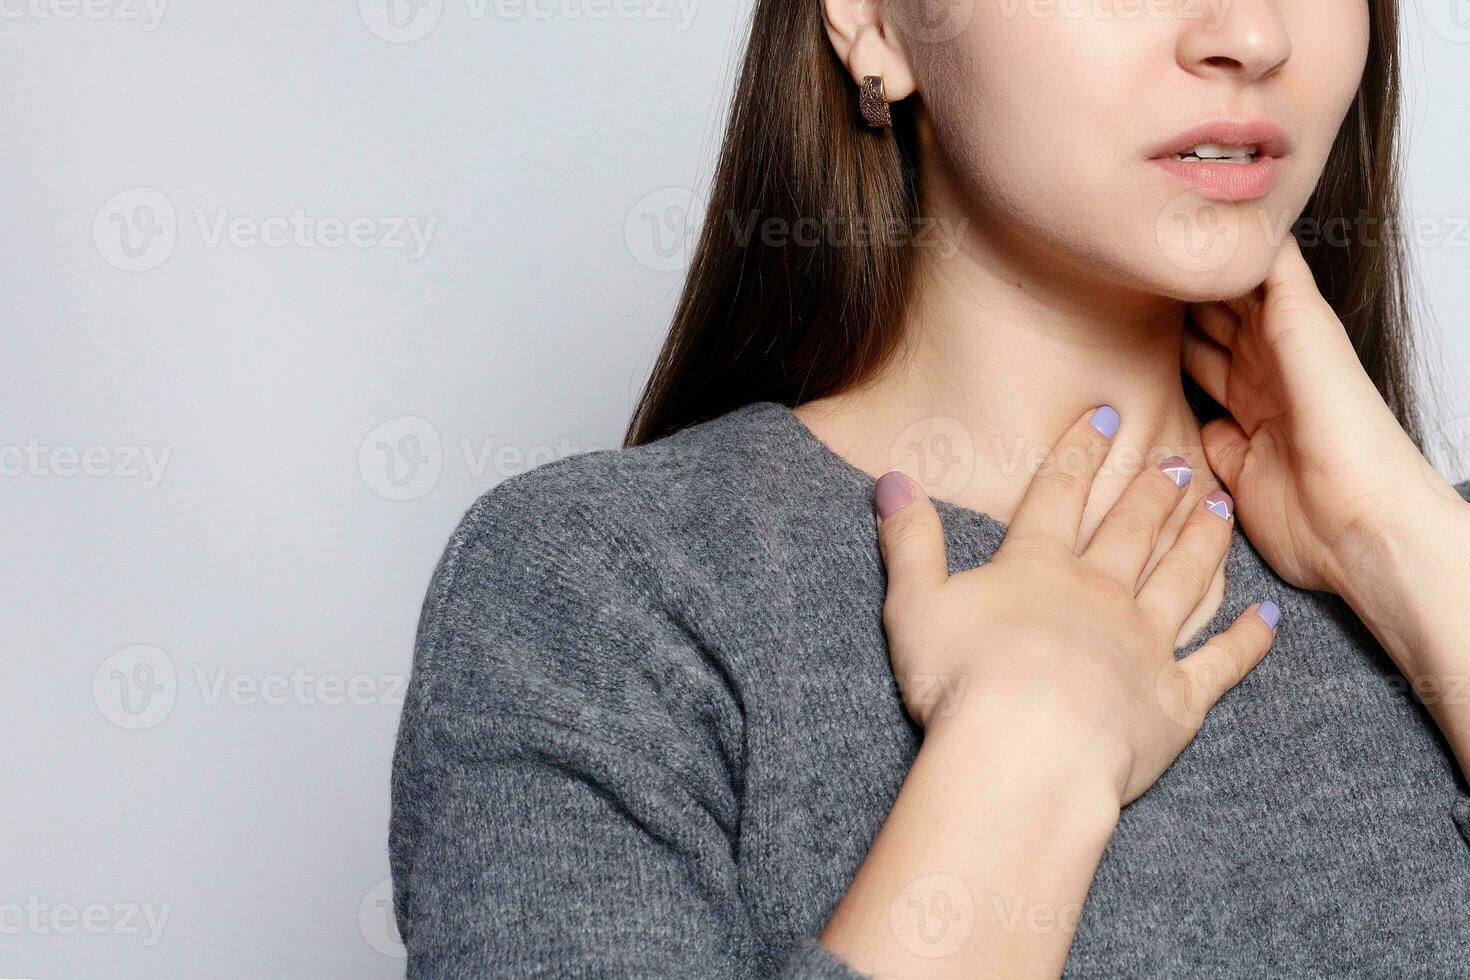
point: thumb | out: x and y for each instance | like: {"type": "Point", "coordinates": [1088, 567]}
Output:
{"type": "Point", "coordinates": [910, 534]}
{"type": "Point", "coordinates": [1226, 445]}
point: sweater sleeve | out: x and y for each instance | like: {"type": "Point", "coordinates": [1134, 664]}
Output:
{"type": "Point", "coordinates": [565, 779]}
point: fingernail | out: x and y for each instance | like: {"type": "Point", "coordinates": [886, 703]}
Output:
{"type": "Point", "coordinates": [1220, 504]}
{"type": "Point", "coordinates": [1105, 420]}
{"type": "Point", "coordinates": [1270, 612]}
{"type": "Point", "coordinates": [892, 492]}
{"type": "Point", "coordinates": [1177, 469]}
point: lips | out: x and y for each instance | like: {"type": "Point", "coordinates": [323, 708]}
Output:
{"type": "Point", "coordinates": [1267, 136]}
{"type": "Point", "coordinates": [1226, 181]}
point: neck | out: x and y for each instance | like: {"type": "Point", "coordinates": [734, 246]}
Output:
{"type": "Point", "coordinates": [1000, 353]}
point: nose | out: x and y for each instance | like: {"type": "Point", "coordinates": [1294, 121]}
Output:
{"type": "Point", "coordinates": [1244, 40]}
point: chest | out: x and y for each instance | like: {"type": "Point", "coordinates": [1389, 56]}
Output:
{"type": "Point", "coordinates": [1308, 829]}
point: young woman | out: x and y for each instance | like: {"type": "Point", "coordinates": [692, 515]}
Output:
{"type": "Point", "coordinates": [1021, 277]}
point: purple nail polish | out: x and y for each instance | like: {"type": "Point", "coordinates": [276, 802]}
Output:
{"type": "Point", "coordinates": [891, 492]}
{"type": "Point", "coordinates": [1105, 420]}
{"type": "Point", "coordinates": [1177, 469]}
{"type": "Point", "coordinates": [1270, 612]}
{"type": "Point", "coordinates": [1220, 503]}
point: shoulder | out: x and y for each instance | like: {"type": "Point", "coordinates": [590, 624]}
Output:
{"type": "Point", "coordinates": [678, 495]}
{"type": "Point", "coordinates": [566, 597]}
{"type": "Point", "coordinates": [621, 503]}
{"type": "Point", "coordinates": [614, 550]}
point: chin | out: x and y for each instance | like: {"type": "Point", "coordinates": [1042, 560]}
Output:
{"type": "Point", "coordinates": [1204, 287]}
{"type": "Point", "coordinates": [1199, 252]}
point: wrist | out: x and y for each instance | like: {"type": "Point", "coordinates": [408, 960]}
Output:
{"type": "Point", "coordinates": [1034, 756]}
{"type": "Point", "coordinates": [1391, 575]}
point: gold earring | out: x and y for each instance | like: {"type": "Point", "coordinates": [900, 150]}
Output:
{"type": "Point", "coordinates": [874, 103]}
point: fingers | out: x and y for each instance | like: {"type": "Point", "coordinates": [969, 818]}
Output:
{"type": "Point", "coordinates": [1197, 682]}
{"type": "Point", "coordinates": [1246, 305]}
{"type": "Point", "coordinates": [1183, 575]}
{"type": "Point", "coordinates": [1226, 446]}
{"type": "Point", "coordinates": [1124, 541]}
{"type": "Point", "coordinates": [910, 535]}
{"type": "Point", "coordinates": [1206, 361]}
{"type": "Point", "coordinates": [1053, 504]}
{"type": "Point", "coordinates": [1290, 269]}
{"type": "Point", "coordinates": [1217, 321]}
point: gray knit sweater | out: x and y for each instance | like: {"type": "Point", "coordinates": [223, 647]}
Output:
{"type": "Point", "coordinates": [652, 731]}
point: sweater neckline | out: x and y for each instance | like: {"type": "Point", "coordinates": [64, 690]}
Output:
{"type": "Point", "coordinates": [1238, 555]}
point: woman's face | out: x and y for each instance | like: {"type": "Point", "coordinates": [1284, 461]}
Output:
{"type": "Point", "coordinates": [1049, 117]}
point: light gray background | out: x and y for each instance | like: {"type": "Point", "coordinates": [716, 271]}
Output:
{"type": "Point", "coordinates": [203, 660]}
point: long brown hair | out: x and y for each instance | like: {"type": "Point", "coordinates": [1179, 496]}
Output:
{"type": "Point", "coordinates": [787, 321]}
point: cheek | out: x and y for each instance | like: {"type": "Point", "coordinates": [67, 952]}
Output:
{"type": "Point", "coordinates": [1039, 114]}
{"type": "Point", "coordinates": [1329, 50]}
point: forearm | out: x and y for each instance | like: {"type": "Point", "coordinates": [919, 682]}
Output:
{"type": "Point", "coordinates": [983, 863]}
{"type": "Point", "coordinates": [1410, 584]}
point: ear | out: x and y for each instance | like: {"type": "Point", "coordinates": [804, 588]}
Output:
{"type": "Point", "coordinates": [868, 42]}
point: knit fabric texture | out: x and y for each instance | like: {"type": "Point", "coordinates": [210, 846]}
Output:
{"type": "Point", "coordinates": [653, 730]}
